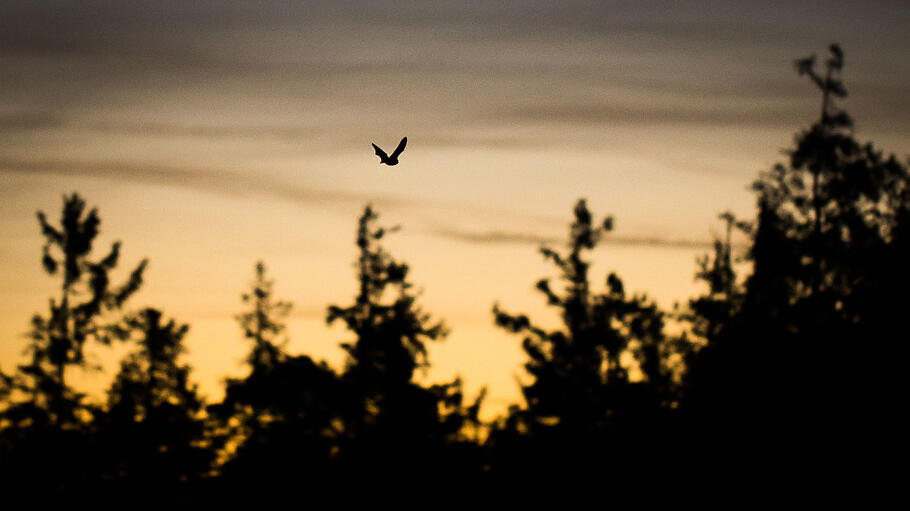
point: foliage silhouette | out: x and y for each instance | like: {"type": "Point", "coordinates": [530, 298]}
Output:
{"type": "Point", "coordinates": [393, 426]}
{"type": "Point", "coordinates": [152, 434]}
{"type": "Point", "coordinates": [284, 414]}
{"type": "Point", "coordinates": [264, 323]}
{"type": "Point", "coordinates": [602, 384]}
{"type": "Point", "coordinates": [791, 357]}
{"type": "Point", "coordinates": [45, 421]}
{"type": "Point", "coordinates": [58, 339]}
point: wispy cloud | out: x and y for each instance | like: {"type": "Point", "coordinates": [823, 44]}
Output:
{"type": "Point", "coordinates": [159, 129]}
{"type": "Point", "coordinates": [493, 237]}
{"type": "Point", "coordinates": [508, 237]}
{"type": "Point", "coordinates": [28, 121]}
{"type": "Point", "coordinates": [201, 179]}
{"type": "Point", "coordinates": [596, 114]}
{"type": "Point", "coordinates": [448, 138]}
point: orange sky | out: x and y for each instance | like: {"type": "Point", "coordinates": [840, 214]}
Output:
{"type": "Point", "coordinates": [212, 134]}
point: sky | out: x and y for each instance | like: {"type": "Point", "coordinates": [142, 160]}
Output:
{"type": "Point", "coordinates": [212, 134]}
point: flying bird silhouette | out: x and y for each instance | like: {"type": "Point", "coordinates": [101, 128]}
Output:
{"type": "Point", "coordinates": [393, 159]}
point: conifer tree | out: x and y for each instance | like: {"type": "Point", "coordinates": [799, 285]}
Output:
{"type": "Point", "coordinates": [79, 314]}
{"type": "Point", "coordinates": [710, 312]}
{"type": "Point", "coordinates": [282, 418]}
{"type": "Point", "coordinates": [789, 371]}
{"type": "Point", "coordinates": [264, 322]}
{"type": "Point", "coordinates": [392, 423]}
{"type": "Point", "coordinates": [152, 432]}
{"type": "Point", "coordinates": [833, 203]}
{"type": "Point", "coordinates": [601, 383]}
{"type": "Point", "coordinates": [45, 429]}
{"type": "Point", "coordinates": [826, 223]}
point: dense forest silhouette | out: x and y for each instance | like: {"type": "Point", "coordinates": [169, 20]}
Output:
{"type": "Point", "coordinates": [797, 365]}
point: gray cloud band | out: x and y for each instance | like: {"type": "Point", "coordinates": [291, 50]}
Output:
{"type": "Point", "coordinates": [206, 180]}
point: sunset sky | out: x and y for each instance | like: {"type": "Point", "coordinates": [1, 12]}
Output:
{"type": "Point", "coordinates": [211, 134]}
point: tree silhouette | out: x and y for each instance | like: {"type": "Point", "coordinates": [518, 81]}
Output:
{"type": "Point", "coordinates": [831, 214]}
{"type": "Point", "coordinates": [601, 384]}
{"type": "Point", "coordinates": [832, 200]}
{"type": "Point", "coordinates": [264, 322]}
{"type": "Point", "coordinates": [791, 367]}
{"type": "Point", "coordinates": [152, 435]}
{"type": "Point", "coordinates": [44, 422]}
{"type": "Point", "coordinates": [58, 339]}
{"type": "Point", "coordinates": [393, 426]}
{"type": "Point", "coordinates": [283, 417]}
{"type": "Point", "coordinates": [710, 312]}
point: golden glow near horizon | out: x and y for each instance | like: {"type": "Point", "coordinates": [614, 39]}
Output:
{"type": "Point", "coordinates": [210, 139]}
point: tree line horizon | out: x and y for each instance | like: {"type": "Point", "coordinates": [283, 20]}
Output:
{"type": "Point", "coordinates": [799, 360]}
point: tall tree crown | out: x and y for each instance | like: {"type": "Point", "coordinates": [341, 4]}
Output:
{"type": "Point", "coordinates": [392, 330]}
{"type": "Point", "coordinates": [605, 336]}
{"type": "Point", "coordinates": [264, 322]}
{"type": "Point", "coordinates": [80, 312]}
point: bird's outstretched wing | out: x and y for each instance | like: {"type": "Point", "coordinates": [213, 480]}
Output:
{"type": "Point", "coordinates": [379, 152]}
{"type": "Point", "coordinates": [404, 142]}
